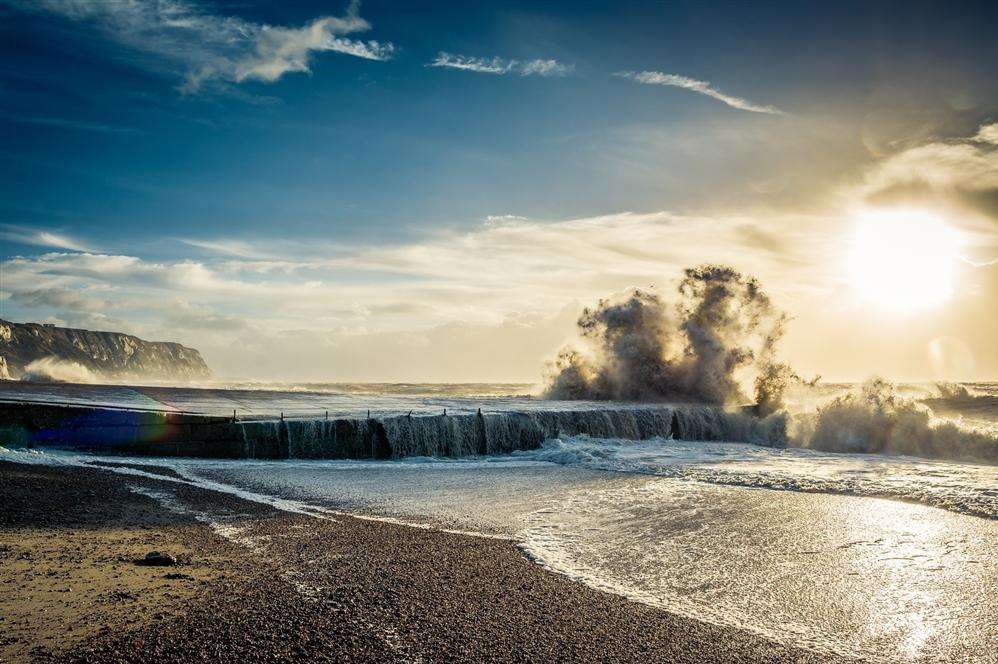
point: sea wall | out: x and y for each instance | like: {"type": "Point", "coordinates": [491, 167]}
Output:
{"type": "Point", "coordinates": [116, 430]}
{"type": "Point", "coordinates": [179, 434]}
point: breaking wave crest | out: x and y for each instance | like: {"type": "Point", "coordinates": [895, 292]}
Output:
{"type": "Point", "coordinates": [55, 370]}
{"type": "Point", "coordinates": [960, 401]}
{"type": "Point", "coordinates": [875, 419]}
{"type": "Point", "coordinates": [722, 331]}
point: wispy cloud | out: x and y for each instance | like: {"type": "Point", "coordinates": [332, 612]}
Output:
{"type": "Point", "coordinates": [37, 238]}
{"type": "Point", "coordinates": [702, 87]}
{"type": "Point", "coordinates": [70, 124]}
{"type": "Point", "coordinates": [501, 66]}
{"type": "Point", "coordinates": [979, 264]}
{"type": "Point", "coordinates": [226, 247]}
{"type": "Point", "coordinates": [211, 47]}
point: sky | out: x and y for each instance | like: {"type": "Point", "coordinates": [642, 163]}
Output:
{"type": "Point", "coordinates": [433, 191]}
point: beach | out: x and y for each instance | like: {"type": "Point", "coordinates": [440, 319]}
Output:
{"type": "Point", "coordinates": [498, 332]}
{"type": "Point", "coordinates": [257, 584]}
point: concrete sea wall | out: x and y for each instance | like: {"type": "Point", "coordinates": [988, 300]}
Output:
{"type": "Point", "coordinates": [161, 433]}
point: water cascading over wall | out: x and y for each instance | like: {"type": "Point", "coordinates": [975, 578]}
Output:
{"type": "Point", "coordinates": [496, 433]}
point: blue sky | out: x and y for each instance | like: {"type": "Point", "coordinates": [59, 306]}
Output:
{"type": "Point", "coordinates": [272, 157]}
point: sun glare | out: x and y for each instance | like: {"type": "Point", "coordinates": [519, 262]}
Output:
{"type": "Point", "coordinates": [903, 260]}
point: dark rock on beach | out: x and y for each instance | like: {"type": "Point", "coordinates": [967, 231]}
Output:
{"type": "Point", "coordinates": [157, 559]}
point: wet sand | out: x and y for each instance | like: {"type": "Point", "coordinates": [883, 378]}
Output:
{"type": "Point", "coordinates": [255, 584]}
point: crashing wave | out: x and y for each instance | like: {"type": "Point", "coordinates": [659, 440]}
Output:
{"type": "Point", "coordinates": [55, 370]}
{"type": "Point", "coordinates": [722, 329]}
{"type": "Point", "coordinates": [875, 419]}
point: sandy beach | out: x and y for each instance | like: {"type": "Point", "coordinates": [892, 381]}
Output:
{"type": "Point", "coordinates": [255, 584]}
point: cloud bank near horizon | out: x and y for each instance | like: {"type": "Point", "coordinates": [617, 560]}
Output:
{"type": "Point", "coordinates": [256, 296]}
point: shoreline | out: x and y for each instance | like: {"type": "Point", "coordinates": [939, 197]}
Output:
{"type": "Point", "coordinates": [254, 584]}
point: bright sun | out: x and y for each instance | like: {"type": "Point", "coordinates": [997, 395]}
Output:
{"type": "Point", "coordinates": [903, 260]}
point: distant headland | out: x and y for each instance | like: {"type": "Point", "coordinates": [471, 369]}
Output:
{"type": "Point", "coordinates": [36, 351]}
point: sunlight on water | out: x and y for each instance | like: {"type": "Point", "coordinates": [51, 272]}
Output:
{"type": "Point", "coordinates": [866, 577]}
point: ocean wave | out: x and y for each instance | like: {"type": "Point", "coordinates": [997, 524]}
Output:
{"type": "Point", "coordinates": [958, 487]}
{"type": "Point", "coordinates": [876, 419]}
{"type": "Point", "coordinates": [977, 406]}
{"type": "Point", "coordinates": [57, 370]}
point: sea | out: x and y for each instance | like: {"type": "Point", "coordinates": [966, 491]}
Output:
{"type": "Point", "coordinates": [884, 557]}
